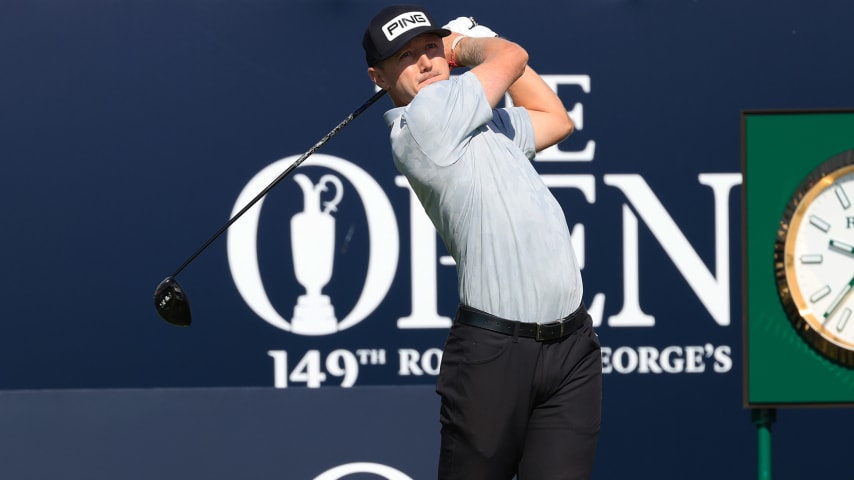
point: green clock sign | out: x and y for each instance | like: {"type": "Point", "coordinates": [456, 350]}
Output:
{"type": "Point", "coordinates": [814, 258]}
{"type": "Point", "coordinates": [798, 265]}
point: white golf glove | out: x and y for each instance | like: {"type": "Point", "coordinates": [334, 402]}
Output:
{"type": "Point", "coordinates": [469, 27]}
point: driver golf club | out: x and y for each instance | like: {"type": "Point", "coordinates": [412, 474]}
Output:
{"type": "Point", "coordinates": [170, 299]}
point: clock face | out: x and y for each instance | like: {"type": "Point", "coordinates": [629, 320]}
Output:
{"type": "Point", "coordinates": [814, 259]}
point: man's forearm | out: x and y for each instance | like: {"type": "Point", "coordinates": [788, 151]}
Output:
{"type": "Point", "coordinates": [474, 51]}
{"type": "Point", "coordinates": [496, 62]}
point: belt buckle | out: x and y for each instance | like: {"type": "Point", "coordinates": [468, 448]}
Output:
{"type": "Point", "coordinates": [540, 332]}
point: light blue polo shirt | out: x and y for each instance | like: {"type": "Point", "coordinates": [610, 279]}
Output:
{"type": "Point", "coordinates": [470, 166]}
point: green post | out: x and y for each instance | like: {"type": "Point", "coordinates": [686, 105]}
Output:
{"type": "Point", "coordinates": [763, 418]}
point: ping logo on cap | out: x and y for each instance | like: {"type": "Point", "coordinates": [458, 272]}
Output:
{"type": "Point", "coordinates": [403, 23]}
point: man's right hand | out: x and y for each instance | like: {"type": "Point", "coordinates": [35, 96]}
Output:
{"type": "Point", "coordinates": [469, 27]}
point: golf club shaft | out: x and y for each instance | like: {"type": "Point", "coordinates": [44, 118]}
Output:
{"type": "Point", "coordinates": [281, 176]}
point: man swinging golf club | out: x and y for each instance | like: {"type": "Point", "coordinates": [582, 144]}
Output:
{"type": "Point", "coordinates": [521, 374]}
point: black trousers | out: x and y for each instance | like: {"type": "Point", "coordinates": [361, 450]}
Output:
{"type": "Point", "coordinates": [518, 406]}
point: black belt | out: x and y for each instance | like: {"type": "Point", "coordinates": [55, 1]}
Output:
{"type": "Point", "coordinates": [539, 331]}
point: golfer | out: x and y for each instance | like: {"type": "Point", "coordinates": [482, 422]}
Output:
{"type": "Point", "coordinates": [521, 375]}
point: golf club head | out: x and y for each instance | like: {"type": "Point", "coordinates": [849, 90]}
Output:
{"type": "Point", "coordinates": [171, 303]}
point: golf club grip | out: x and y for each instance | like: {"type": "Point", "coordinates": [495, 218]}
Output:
{"type": "Point", "coordinates": [281, 176]}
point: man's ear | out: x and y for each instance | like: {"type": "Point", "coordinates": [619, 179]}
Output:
{"type": "Point", "coordinates": [377, 77]}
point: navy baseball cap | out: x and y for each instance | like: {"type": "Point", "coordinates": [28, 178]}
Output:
{"type": "Point", "coordinates": [393, 27]}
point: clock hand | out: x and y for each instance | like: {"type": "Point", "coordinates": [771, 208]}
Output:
{"type": "Point", "coordinates": [838, 300]}
{"type": "Point", "coordinates": [841, 247]}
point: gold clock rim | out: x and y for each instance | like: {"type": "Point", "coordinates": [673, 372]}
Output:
{"type": "Point", "coordinates": [798, 311]}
